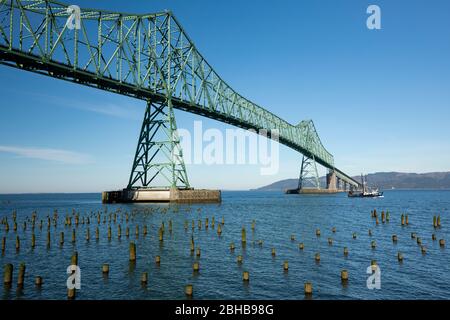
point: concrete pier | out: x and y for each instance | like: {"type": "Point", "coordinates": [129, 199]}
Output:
{"type": "Point", "coordinates": [312, 191]}
{"type": "Point", "coordinates": [162, 195]}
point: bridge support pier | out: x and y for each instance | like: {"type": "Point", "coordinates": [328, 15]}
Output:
{"type": "Point", "coordinates": [158, 173]}
{"type": "Point", "coordinates": [332, 181]}
{"type": "Point", "coordinates": [309, 183]}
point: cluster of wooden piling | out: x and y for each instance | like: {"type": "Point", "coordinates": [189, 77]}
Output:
{"type": "Point", "coordinates": [120, 220]}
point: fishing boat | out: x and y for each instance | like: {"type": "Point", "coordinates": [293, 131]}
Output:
{"type": "Point", "coordinates": [365, 192]}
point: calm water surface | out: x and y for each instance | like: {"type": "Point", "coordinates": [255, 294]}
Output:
{"type": "Point", "coordinates": [277, 216]}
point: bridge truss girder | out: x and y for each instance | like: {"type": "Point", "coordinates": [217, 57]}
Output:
{"type": "Point", "coordinates": [145, 56]}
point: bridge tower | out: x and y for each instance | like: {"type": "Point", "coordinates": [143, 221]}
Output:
{"type": "Point", "coordinates": [309, 176]}
{"type": "Point", "coordinates": [158, 161]}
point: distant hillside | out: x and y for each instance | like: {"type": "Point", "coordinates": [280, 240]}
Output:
{"type": "Point", "coordinates": [383, 180]}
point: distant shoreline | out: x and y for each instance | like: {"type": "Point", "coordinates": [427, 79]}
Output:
{"type": "Point", "coordinates": [248, 190]}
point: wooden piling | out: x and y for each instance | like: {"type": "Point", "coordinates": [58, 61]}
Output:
{"type": "Point", "coordinates": [308, 288]}
{"type": "Point", "coordinates": [33, 240]}
{"type": "Point", "coordinates": [38, 281]}
{"type": "Point", "coordinates": [442, 242]}
{"type": "Point", "coordinates": [49, 239]}
{"type": "Point", "coordinates": [273, 252]}
{"type": "Point", "coordinates": [105, 268]}
{"type": "Point", "coordinates": [399, 256]}
{"type": "Point", "coordinates": [344, 275]}
{"type": "Point", "coordinates": [219, 230]}
{"type": "Point", "coordinates": [3, 244]}
{"type": "Point", "coordinates": [301, 246]}
{"type": "Point", "coordinates": [61, 238]}
{"type": "Point", "coordinates": [246, 276]}
{"type": "Point", "coordinates": [317, 257]}
{"type": "Point", "coordinates": [345, 251]}
{"type": "Point", "coordinates": [318, 232]}
{"type": "Point", "coordinates": [132, 251]}
{"type": "Point", "coordinates": [17, 243]}
{"type": "Point", "coordinates": [232, 246]}
{"type": "Point", "coordinates": [196, 266]}
{"type": "Point", "coordinates": [239, 259]}
{"type": "Point", "coordinates": [160, 234]}
{"type": "Point", "coordinates": [394, 238]}
{"type": "Point", "coordinates": [157, 259]}
{"type": "Point", "coordinates": [74, 259]}
{"type": "Point", "coordinates": [188, 290]}
{"type": "Point", "coordinates": [144, 278]}
{"type": "Point", "coordinates": [21, 275]}
{"type": "Point", "coordinates": [8, 274]}
{"type": "Point", "coordinates": [286, 265]}
{"type": "Point", "coordinates": [243, 235]}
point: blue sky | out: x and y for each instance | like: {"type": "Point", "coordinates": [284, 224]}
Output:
{"type": "Point", "coordinates": [380, 99]}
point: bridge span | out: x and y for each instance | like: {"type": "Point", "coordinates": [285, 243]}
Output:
{"type": "Point", "coordinates": [149, 57]}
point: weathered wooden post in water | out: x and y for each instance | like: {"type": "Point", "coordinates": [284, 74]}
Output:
{"type": "Point", "coordinates": [188, 290]}
{"type": "Point", "coordinates": [8, 274]}
{"type": "Point", "coordinates": [308, 288]}
{"type": "Point", "coordinates": [132, 251]}
{"type": "Point", "coordinates": [74, 259]}
{"type": "Point", "coordinates": [21, 275]}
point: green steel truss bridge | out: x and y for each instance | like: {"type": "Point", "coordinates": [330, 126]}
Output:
{"type": "Point", "coordinates": [149, 57]}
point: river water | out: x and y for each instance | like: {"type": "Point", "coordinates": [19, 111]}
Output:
{"type": "Point", "coordinates": [277, 217]}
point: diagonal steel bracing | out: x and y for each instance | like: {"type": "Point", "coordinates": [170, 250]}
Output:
{"type": "Point", "coordinates": [309, 176]}
{"type": "Point", "coordinates": [158, 162]}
